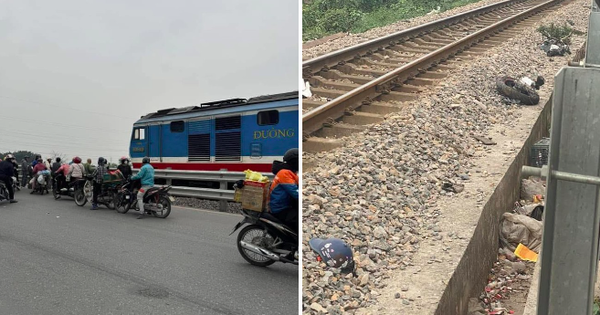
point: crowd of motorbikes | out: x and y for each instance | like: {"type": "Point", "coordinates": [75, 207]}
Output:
{"type": "Point", "coordinates": [119, 195]}
{"type": "Point", "coordinates": [263, 241]}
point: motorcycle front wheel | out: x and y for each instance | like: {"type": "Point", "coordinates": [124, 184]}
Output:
{"type": "Point", "coordinates": [122, 204]}
{"type": "Point", "coordinates": [166, 207]}
{"type": "Point", "coordinates": [255, 235]}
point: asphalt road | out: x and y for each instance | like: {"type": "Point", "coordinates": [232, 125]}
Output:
{"type": "Point", "coordinates": [58, 258]}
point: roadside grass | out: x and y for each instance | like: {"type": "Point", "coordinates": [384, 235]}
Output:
{"type": "Point", "coordinates": [318, 24]}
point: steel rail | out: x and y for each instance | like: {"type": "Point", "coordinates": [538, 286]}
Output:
{"type": "Point", "coordinates": [332, 59]}
{"type": "Point", "coordinates": [334, 109]}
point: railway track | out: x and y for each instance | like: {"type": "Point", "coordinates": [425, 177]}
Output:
{"type": "Point", "coordinates": [359, 85]}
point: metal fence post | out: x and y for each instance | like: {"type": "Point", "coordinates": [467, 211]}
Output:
{"type": "Point", "coordinates": [569, 253]}
{"type": "Point", "coordinates": [223, 186]}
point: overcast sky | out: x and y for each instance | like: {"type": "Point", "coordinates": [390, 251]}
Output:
{"type": "Point", "coordinates": [76, 74]}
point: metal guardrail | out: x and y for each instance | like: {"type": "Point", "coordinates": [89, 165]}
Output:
{"type": "Point", "coordinates": [223, 177]}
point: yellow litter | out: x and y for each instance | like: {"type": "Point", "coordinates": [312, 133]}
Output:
{"type": "Point", "coordinates": [525, 253]}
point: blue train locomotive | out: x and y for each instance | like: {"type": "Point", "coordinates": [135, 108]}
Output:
{"type": "Point", "coordinates": [233, 134]}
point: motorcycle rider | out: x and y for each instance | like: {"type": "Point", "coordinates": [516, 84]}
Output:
{"type": "Point", "coordinates": [39, 166]}
{"type": "Point", "coordinates": [146, 175]}
{"type": "Point", "coordinates": [15, 167]}
{"type": "Point", "coordinates": [7, 171]}
{"type": "Point", "coordinates": [55, 166]}
{"type": "Point", "coordinates": [99, 173]}
{"type": "Point", "coordinates": [283, 195]}
{"type": "Point", "coordinates": [61, 176]}
{"type": "Point", "coordinates": [124, 167]}
{"type": "Point", "coordinates": [24, 170]}
{"type": "Point", "coordinates": [76, 170]}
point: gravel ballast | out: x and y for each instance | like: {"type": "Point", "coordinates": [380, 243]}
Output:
{"type": "Point", "coordinates": [382, 192]}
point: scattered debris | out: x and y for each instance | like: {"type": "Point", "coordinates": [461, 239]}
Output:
{"type": "Point", "coordinates": [517, 91]}
{"type": "Point", "coordinates": [525, 253]}
{"type": "Point", "coordinates": [518, 229]}
{"type": "Point", "coordinates": [435, 11]}
{"type": "Point", "coordinates": [486, 141]}
{"type": "Point", "coordinates": [306, 92]}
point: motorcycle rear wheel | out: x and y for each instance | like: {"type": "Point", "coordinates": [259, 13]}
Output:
{"type": "Point", "coordinates": [166, 203]}
{"type": "Point", "coordinates": [253, 234]}
{"type": "Point", "coordinates": [80, 198]}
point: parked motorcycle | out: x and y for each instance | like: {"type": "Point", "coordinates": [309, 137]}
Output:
{"type": "Point", "coordinates": [73, 189]}
{"type": "Point", "coordinates": [266, 239]}
{"type": "Point", "coordinates": [157, 200]}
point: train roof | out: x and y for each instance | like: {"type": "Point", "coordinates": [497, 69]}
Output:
{"type": "Point", "coordinates": [228, 103]}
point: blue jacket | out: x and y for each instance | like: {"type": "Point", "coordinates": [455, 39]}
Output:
{"type": "Point", "coordinates": [284, 191]}
{"type": "Point", "coordinates": [146, 175]}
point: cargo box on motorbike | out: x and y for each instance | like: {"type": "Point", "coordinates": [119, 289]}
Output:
{"type": "Point", "coordinates": [113, 176]}
{"type": "Point", "coordinates": [254, 195]}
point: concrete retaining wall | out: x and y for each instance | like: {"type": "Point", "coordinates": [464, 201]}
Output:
{"type": "Point", "coordinates": [470, 276]}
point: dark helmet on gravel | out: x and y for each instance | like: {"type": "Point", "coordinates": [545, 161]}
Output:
{"type": "Point", "coordinates": [145, 160]}
{"type": "Point", "coordinates": [335, 253]}
{"type": "Point", "coordinates": [291, 158]}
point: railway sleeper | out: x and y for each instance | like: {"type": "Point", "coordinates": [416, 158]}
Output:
{"type": "Point", "coordinates": [354, 70]}
{"type": "Point", "coordinates": [339, 130]}
{"type": "Point", "coordinates": [381, 108]}
{"type": "Point", "coordinates": [319, 81]}
{"type": "Point", "coordinates": [338, 75]}
{"type": "Point", "coordinates": [408, 89]}
{"type": "Point", "coordinates": [315, 144]}
{"type": "Point", "coordinates": [421, 81]}
{"type": "Point", "coordinates": [395, 96]}
{"type": "Point", "coordinates": [390, 59]}
{"type": "Point", "coordinates": [433, 75]}
{"type": "Point", "coordinates": [391, 64]}
{"type": "Point", "coordinates": [329, 93]}
{"type": "Point", "coordinates": [309, 104]}
{"type": "Point", "coordinates": [362, 118]}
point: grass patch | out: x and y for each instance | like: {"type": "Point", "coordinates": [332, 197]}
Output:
{"type": "Point", "coordinates": [325, 17]}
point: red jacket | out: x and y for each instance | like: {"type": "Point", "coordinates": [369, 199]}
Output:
{"type": "Point", "coordinates": [39, 167]}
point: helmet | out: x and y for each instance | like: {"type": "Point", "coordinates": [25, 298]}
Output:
{"type": "Point", "coordinates": [291, 158]}
{"type": "Point", "coordinates": [123, 159]}
{"type": "Point", "coordinates": [9, 157]}
{"type": "Point", "coordinates": [58, 159]}
{"type": "Point", "coordinates": [101, 161]}
{"type": "Point", "coordinates": [77, 159]}
{"type": "Point", "coordinates": [334, 252]}
{"type": "Point", "coordinates": [145, 160]}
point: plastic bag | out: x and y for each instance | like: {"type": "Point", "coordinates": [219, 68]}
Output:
{"type": "Point", "coordinates": [255, 176]}
{"type": "Point", "coordinates": [517, 228]}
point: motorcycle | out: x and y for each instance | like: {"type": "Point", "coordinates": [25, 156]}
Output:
{"type": "Point", "coordinates": [106, 196]}
{"type": "Point", "coordinates": [74, 189]}
{"type": "Point", "coordinates": [266, 239]}
{"type": "Point", "coordinates": [157, 200]}
{"type": "Point", "coordinates": [41, 185]}
{"type": "Point", "coordinates": [16, 186]}
{"type": "Point", "coordinates": [3, 191]}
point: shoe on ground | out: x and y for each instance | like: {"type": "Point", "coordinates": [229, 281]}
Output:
{"type": "Point", "coordinates": [141, 216]}
{"type": "Point", "coordinates": [94, 207]}
{"type": "Point", "coordinates": [31, 193]}
{"type": "Point", "coordinates": [13, 201]}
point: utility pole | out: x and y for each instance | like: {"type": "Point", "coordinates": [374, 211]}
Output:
{"type": "Point", "coordinates": [569, 255]}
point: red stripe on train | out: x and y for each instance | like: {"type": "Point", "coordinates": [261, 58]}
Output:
{"type": "Point", "coordinates": [239, 167]}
